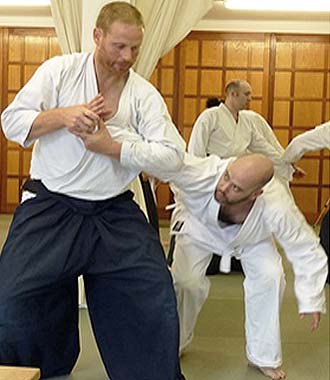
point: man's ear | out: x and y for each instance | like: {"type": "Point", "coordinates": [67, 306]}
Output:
{"type": "Point", "coordinates": [257, 193]}
{"type": "Point", "coordinates": [97, 34]}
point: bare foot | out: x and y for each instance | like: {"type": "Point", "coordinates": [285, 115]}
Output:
{"type": "Point", "coordinates": [273, 373]}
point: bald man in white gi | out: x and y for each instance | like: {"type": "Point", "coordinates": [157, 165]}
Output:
{"type": "Point", "coordinates": [237, 208]}
{"type": "Point", "coordinates": [230, 130]}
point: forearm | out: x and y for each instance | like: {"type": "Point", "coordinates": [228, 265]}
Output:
{"type": "Point", "coordinates": [155, 158]}
{"type": "Point", "coordinates": [46, 122]}
{"type": "Point", "coordinates": [312, 140]}
{"type": "Point", "coordinates": [308, 259]}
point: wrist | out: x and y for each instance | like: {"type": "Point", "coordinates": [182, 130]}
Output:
{"type": "Point", "coordinates": [115, 150]}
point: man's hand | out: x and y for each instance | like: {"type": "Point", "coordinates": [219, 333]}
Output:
{"type": "Point", "coordinates": [316, 318]}
{"type": "Point", "coordinates": [97, 106]}
{"type": "Point", "coordinates": [85, 117]}
{"type": "Point", "coordinates": [100, 141]}
{"type": "Point", "coordinates": [79, 119]}
{"type": "Point", "coordinates": [298, 172]}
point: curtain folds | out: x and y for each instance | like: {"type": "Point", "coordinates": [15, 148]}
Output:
{"type": "Point", "coordinates": [167, 23]}
{"type": "Point", "coordinates": [67, 16]}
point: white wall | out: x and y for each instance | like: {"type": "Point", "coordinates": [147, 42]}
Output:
{"type": "Point", "coordinates": [26, 16]}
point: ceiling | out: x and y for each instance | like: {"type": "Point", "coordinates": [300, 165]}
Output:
{"type": "Point", "coordinates": [218, 18]}
{"type": "Point", "coordinates": [219, 12]}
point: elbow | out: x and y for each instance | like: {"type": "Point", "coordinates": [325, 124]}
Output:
{"type": "Point", "coordinates": [177, 160]}
{"type": "Point", "coordinates": [5, 125]}
{"type": "Point", "coordinates": [171, 164]}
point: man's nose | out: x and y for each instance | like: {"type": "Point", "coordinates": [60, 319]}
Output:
{"type": "Point", "coordinates": [224, 187]}
{"type": "Point", "coordinates": [127, 54]}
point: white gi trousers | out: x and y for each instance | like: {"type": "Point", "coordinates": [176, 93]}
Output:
{"type": "Point", "coordinates": [264, 286]}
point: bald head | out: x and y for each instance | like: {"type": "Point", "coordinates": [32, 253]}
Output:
{"type": "Point", "coordinates": [254, 170]}
{"type": "Point", "coordinates": [244, 179]}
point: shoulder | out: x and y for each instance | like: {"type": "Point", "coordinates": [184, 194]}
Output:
{"type": "Point", "coordinates": [208, 115]}
{"type": "Point", "coordinates": [67, 62]}
{"type": "Point", "coordinates": [211, 166]}
{"type": "Point", "coordinates": [277, 201]}
{"type": "Point", "coordinates": [253, 116]}
{"type": "Point", "coordinates": [144, 94]}
{"type": "Point", "coordinates": [140, 84]}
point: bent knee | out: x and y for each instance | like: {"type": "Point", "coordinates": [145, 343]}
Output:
{"type": "Point", "coordinates": [190, 283]}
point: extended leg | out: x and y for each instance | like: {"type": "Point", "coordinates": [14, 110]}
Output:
{"type": "Point", "coordinates": [38, 307]}
{"type": "Point", "coordinates": [191, 284]}
{"type": "Point", "coordinates": [264, 286]}
{"type": "Point", "coordinates": [131, 299]}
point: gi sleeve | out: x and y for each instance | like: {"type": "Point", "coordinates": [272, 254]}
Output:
{"type": "Point", "coordinates": [195, 184]}
{"type": "Point", "coordinates": [37, 95]}
{"type": "Point", "coordinates": [303, 250]}
{"type": "Point", "coordinates": [259, 144]}
{"type": "Point", "coordinates": [159, 150]}
{"type": "Point", "coordinates": [261, 125]}
{"type": "Point", "coordinates": [200, 136]}
{"type": "Point", "coordinates": [315, 139]}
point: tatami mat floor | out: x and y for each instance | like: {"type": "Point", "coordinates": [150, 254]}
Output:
{"type": "Point", "coordinates": [217, 351]}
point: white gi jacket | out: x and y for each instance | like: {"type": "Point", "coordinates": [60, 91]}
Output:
{"type": "Point", "coordinates": [274, 214]}
{"type": "Point", "coordinates": [217, 132]}
{"type": "Point", "coordinates": [314, 139]}
{"type": "Point", "coordinates": [142, 123]}
{"type": "Point", "coordinates": [259, 124]}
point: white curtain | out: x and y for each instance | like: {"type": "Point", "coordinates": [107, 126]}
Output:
{"type": "Point", "coordinates": [167, 23]}
{"type": "Point", "coordinates": [67, 16]}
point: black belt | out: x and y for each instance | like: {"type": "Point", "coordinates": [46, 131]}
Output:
{"type": "Point", "coordinates": [31, 185]}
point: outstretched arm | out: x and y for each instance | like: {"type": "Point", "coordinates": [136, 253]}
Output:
{"type": "Point", "coordinates": [303, 250]}
{"type": "Point", "coordinates": [312, 140]}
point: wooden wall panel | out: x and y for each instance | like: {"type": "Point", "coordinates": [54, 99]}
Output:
{"type": "Point", "coordinates": [306, 113]}
{"type": "Point", "coordinates": [308, 85]}
{"type": "Point", "coordinates": [300, 100]}
{"type": "Point", "coordinates": [283, 55]}
{"type": "Point", "coordinates": [211, 81]}
{"type": "Point", "coordinates": [12, 185]}
{"type": "Point", "coordinates": [212, 54]}
{"type": "Point", "coordinates": [257, 51]}
{"type": "Point", "coordinates": [23, 51]}
{"type": "Point", "coordinates": [190, 82]}
{"type": "Point", "coordinates": [310, 208]}
{"type": "Point", "coordinates": [256, 79]}
{"type": "Point", "coordinates": [282, 84]}
{"type": "Point", "coordinates": [310, 55]}
{"type": "Point", "coordinates": [237, 53]}
{"type": "Point", "coordinates": [165, 79]}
